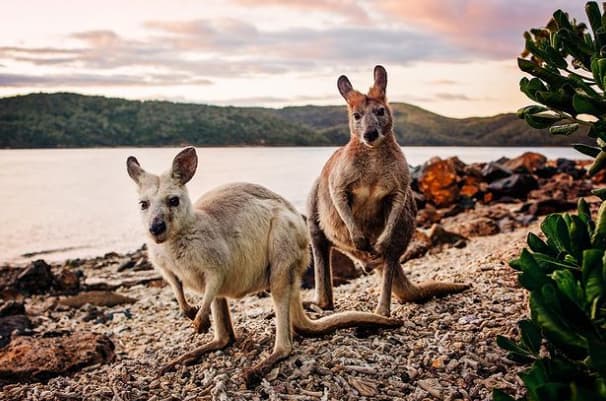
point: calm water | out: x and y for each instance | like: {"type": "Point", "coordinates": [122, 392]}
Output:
{"type": "Point", "coordinates": [81, 202]}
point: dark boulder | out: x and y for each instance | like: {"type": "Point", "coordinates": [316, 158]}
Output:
{"type": "Point", "coordinates": [515, 186]}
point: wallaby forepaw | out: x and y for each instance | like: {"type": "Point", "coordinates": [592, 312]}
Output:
{"type": "Point", "coordinates": [361, 243]}
{"type": "Point", "coordinates": [191, 311]}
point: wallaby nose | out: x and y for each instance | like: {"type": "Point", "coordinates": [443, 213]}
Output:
{"type": "Point", "coordinates": [371, 135]}
{"type": "Point", "coordinates": [157, 227]}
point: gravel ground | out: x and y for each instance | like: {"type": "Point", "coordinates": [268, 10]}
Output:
{"type": "Point", "coordinates": [446, 349]}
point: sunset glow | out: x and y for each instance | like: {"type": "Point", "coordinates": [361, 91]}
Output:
{"type": "Point", "coordinates": [453, 57]}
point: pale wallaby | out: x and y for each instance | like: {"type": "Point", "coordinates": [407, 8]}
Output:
{"type": "Point", "coordinates": [235, 240]}
{"type": "Point", "coordinates": [362, 202]}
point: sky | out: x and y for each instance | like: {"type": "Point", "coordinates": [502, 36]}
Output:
{"type": "Point", "coordinates": [452, 57]}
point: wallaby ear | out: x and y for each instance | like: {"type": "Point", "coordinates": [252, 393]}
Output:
{"type": "Point", "coordinates": [378, 89]}
{"type": "Point", "coordinates": [134, 169]}
{"type": "Point", "coordinates": [344, 86]}
{"type": "Point", "coordinates": [184, 165]}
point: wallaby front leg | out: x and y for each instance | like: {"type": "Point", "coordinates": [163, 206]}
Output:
{"type": "Point", "coordinates": [177, 287]}
{"type": "Point", "coordinates": [384, 305]}
{"type": "Point", "coordinates": [397, 208]}
{"type": "Point", "coordinates": [340, 198]}
{"type": "Point", "coordinates": [211, 289]}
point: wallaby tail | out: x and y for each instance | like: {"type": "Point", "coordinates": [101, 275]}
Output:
{"type": "Point", "coordinates": [427, 290]}
{"type": "Point", "coordinates": [308, 327]}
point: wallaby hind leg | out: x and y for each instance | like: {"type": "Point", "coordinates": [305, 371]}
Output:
{"type": "Point", "coordinates": [388, 272]}
{"type": "Point", "coordinates": [322, 270]}
{"type": "Point", "coordinates": [224, 336]}
{"type": "Point", "coordinates": [282, 281]}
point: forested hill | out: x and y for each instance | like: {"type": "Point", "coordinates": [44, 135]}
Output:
{"type": "Point", "coordinates": [72, 120]}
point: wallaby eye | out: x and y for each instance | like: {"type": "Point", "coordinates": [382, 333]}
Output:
{"type": "Point", "coordinates": [173, 201]}
{"type": "Point", "coordinates": [144, 204]}
{"type": "Point", "coordinates": [357, 115]}
{"type": "Point", "coordinates": [380, 112]}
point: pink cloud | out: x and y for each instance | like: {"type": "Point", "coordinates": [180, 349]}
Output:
{"type": "Point", "coordinates": [490, 27]}
{"type": "Point", "coordinates": [350, 9]}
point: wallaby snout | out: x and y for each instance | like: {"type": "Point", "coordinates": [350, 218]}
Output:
{"type": "Point", "coordinates": [371, 135]}
{"type": "Point", "coordinates": [157, 227]}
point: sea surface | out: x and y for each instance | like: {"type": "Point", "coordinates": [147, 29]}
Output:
{"type": "Point", "coordinates": [68, 203]}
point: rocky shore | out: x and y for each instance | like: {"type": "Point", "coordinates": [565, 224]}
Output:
{"type": "Point", "coordinates": [100, 329]}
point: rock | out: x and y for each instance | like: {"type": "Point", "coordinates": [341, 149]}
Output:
{"type": "Point", "coordinates": [547, 206]}
{"type": "Point", "coordinates": [123, 280]}
{"type": "Point", "coordinates": [418, 247]}
{"type": "Point", "coordinates": [129, 264]}
{"type": "Point", "coordinates": [439, 236]}
{"type": "Point", "coordinates": [68, 280]}
{"type": "Point", "coordinates": [438, 183]}
{"type": "Point", "coordinates": [494, 171]}
{"type": "Point", "coordinates": [432, 386]}
{"type": "Point", "coordinates": [10, 324]}
{"type": "Point", "coordinates": [516, 186]}
{"type": "Point", "coordinates": [427, 216]}
{"type": "Point", "coordinates": [569, 167]}
{"type": "Point", "coordinates": [98, 298]}
{"type": "Point", "coordinates": [472, 187]}
{"type": "Point", "coordinates": [10, 308]}
{"type": "Point", "coordinates": [478, 227]}
{"type": "Point", "coordinates": [36, 278]}
{"type": "Point", "coordinates": [39, 359]}
{"type": "Point", "coordinates": [527, 162]}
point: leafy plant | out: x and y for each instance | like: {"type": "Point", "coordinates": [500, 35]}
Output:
{"type": "Point", "coordinates": [565, 338]}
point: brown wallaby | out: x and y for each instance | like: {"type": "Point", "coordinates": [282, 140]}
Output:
{"type": "Point", "coordinates": [362, 202]}
{"type": "Point", "coordinates": [235, 240]}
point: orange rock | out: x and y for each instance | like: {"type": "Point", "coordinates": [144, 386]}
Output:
{"type": "Point", "coordinates": [526, 162]}
{"type": "Point", "coordinates": [31, 358]}
{"type": "Point", "coordinates": [438, 183]}
{"type": "Point", "coordinates": [471, 186]}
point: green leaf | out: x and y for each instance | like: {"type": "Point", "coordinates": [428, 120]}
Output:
{"type": "Point", "coordinates": [536, 244]}
{"type": "Point", "coordinates": [585, 215]}
{"type": "Point", "coordinates": [598, 164]}
{"type": "Point", "coordinates": [498, 395]}
{"type": "Point", "coordinates": [579, 236]}
{"type": "Point", "coordinates": [597, 353]}
{"type": "Point", "coordinates": [532, 277]}
{"type": "Point", "coordinates": [531, 335]}
{"type": "Point", "coordinates": [599, 235]}
{"type": "Point", "coordinates": [516, 352]}
{"type": "Point", "coordinates": [556, 232]}
{"type": "Point", "coordinates": [569, 286]}
{"type": "Point", "coordinates": [532, 109]}
{"type": "Point", "coordinates": [592, 273]}
{"type": "Point", "coordinates": [592, 151]}
{"type": "Point", "coordinates": [564, 129]}
{"type": "Point", "coordinates": [595, 18]}
{"type": "Point", "coordinates": [586, 105]}
{"type": "Point", "coordinates": [600, 192]}
{"type": "Point", "coordinates": [541, 121]}
{"type": "Point", "coordinates": [547, 314]}
{"type": "Point", "coordinates": [549, 263]}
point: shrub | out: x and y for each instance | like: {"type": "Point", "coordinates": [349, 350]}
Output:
{"type": "Point", "coordinates": [565, 338]}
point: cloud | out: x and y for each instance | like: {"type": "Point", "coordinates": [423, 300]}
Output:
{"type": "Point", "coordinates": [489, 28]}
{"type": "Point", "coordinates": [351, 10]}
{"type": "Point", "coordinates": [84, 80]}
{"type": "Point", "coordinates": [211, 48]}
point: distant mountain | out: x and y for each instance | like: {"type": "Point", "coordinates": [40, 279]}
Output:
{"type": "Point", "coordinates": [72, 120]}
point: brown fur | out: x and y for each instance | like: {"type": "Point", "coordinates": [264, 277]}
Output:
{"type": "Point", "coordinates": [235, 240]}
{"type": "Point", "coordinates": [362, 202]}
